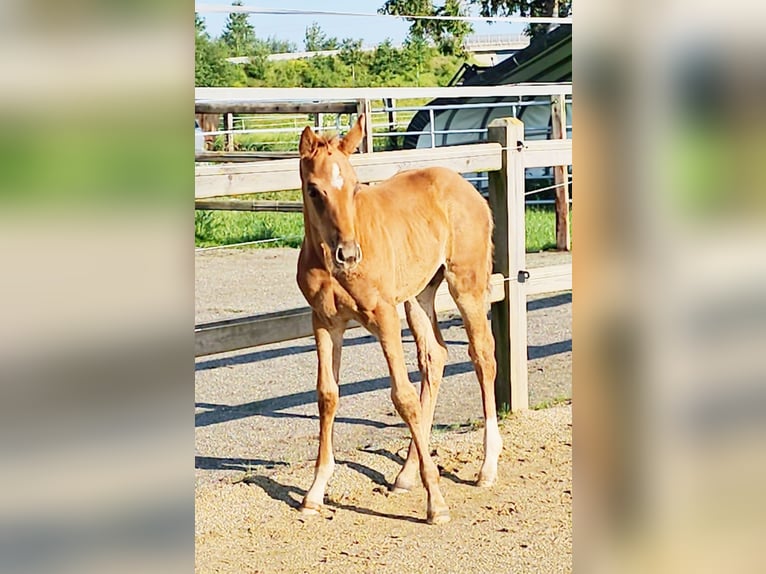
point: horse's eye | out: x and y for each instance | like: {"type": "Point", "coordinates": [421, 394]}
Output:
{"type": "Point", "coordinates": [313, 191]}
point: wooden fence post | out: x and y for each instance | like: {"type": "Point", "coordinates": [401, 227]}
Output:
{"type": "Point", "coordinates": [229, 126]}
{"type": "Point", "coordinates": [560, 174]}
{"type": "Point", "coordinates": [363, 107]}
{"type": "Point", "coordinates": [509, 316]}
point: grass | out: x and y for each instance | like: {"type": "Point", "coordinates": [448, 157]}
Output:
{"type": "Point", "coordinates": [212, 228]}
{"type": "Point", "coordinates": [555, 401]}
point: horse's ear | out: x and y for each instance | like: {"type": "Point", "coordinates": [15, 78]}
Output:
{"type": "Point", "coordinates": [308, 144]}
{"type": "Point", "coordinates": [349, 143]}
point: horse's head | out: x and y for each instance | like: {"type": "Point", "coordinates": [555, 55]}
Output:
{"type": "Point", "coordinates": [329, 186]}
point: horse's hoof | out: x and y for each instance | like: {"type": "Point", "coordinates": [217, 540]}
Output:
{"type": "Point", "coordinates": [402, 486]}
{"type": "Point", "coordinates": [440, 517]}
{"type": "Point", "coordinates": [486, 480]}
{"type": "Point", "coordinates": [309, 508]}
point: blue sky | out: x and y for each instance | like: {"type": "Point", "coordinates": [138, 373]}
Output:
{"type": "Point", "coordinates": [293, 27]}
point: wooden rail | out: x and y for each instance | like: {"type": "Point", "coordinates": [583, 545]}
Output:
{"type": "Point", "coordinates": [505, 158]}
{"type": "Point", "coordinates": [242, 156]}
{"type": "Point", "coordinates": [265, 329]}
{"type": "Point", "coordinates": [249, 205]}
{"type": "Point", "coordinates": [280, 175]}
{"type": "Point", "coordinates": [255, 107]}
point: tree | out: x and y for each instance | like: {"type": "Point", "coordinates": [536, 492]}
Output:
{"type": "Point", "coordinates": [416, 54]}
{"type": "Point", "coordinates": [316, 40]}
{"type": "Point", "coordinates": [200, 28]}
{"type": "Point", "coordinates": [238, 33]}
{"type": "Point", "coordinates": [276, 46]}
{"type": "Point", "coordinates": [351, 54]}
{"type": "Point", "coordinates": [385, 62]}
{"type": "Point", "coordinates": [448, 35]}
{"type": "Point", "coordinates": [540, 8]}
{"type": "Point", "coordinates": [210, 65]}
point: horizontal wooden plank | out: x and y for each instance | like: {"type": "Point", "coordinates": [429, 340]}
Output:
{"type": "Point", "coordinates": [279, 175]}
{"type": "Point", "coordinates": [346, 94]}
{"type": "Point", "coordinates": [547, 153]}
{"type": "Point", "coordinates": [549, 279]}
{"type": "Point", "coordinates": [263, 107]}
{"type": "Point", "coordinates": [233, 334]}
{"type": "Point", "coordinates": [265, 329]}
{"type": "Point", "coordinates": [249, 205]}
{"type": "Point", "coordinates": [242, 156]}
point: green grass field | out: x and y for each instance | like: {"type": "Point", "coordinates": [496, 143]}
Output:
{"type": "Point", "coordinates": [212, 228]}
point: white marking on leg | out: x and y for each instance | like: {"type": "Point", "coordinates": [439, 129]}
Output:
{"type": "Point", "coordinates": [493, 444]}
{"type": "Point", "coordinates": [322, 475]}
{"type": "Point", "coordinates": [337, 178]}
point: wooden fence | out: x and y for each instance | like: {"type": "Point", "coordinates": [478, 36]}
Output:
{"type": "Point", "coordinates": [505, 158]}
{"type": "Point", "coordinates": [336, 101]}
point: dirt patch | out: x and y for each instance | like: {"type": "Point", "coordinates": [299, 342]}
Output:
{"type": "Point", "coordinates": [256, 439]}
{"type": "Point", "coordinates": [249, 522]}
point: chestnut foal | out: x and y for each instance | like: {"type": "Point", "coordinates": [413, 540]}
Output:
{"type": "Point", "coordinates": [369, 248]}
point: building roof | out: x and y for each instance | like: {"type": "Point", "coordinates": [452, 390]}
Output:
{"type": "Point", "coordinates": [547, 59]}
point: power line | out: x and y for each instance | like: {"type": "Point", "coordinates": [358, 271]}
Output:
{"type": "Point", "coordinates": [211, 8]}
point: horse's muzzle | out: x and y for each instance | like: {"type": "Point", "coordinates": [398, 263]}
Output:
{"type": "Point", "coordinates": [348, 254]}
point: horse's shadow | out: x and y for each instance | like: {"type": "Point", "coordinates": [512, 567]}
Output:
{"type": "Point", "coordinates": [287, 495]}
{"type": "Point", "coordinates": [293, 495]}
{"type": "Point", "coordinates": [400, 461]}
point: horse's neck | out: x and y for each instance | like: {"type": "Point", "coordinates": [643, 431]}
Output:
{"type": "Point", "coordinates": [313, 243]}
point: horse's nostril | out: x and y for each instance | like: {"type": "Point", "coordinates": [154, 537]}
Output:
{"type": "Point", "coordinates": [347, 254]}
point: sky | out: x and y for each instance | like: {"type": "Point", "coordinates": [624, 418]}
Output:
{"type": "Point", "coordinates": [293, 27]}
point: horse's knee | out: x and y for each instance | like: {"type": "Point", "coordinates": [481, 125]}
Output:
{"type": "Point", "coordinates": [405, 400]}
{"type": "Point", "coordinates": [327, 399]}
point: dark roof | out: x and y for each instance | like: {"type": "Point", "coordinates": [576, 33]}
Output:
{"type": "Point", "coordinates": [548, 59]}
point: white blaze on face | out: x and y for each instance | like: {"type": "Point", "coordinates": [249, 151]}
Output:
{"type": "Point", "coordinates": [337, 179]}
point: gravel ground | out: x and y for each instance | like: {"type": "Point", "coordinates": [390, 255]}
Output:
{"type": "Point", "coordinates": [256, 415]}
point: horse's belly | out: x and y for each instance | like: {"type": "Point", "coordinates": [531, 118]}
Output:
{"type": "Point", "coordinates": [411, 284]}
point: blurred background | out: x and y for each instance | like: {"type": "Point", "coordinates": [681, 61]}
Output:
{"type": "Point", "coordinates": [96, 288]}
{"type": "Point", "coordinates": [670, 287]}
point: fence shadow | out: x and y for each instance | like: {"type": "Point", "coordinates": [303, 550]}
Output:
{"type": "Point", "coordinates": [271, 407]}
{"type": "Point", "coordinates": [243, 464]}
{"type": "Point", "coordinates": [552, 301]}
{"type": "Point", "coordinates": [541, 351]}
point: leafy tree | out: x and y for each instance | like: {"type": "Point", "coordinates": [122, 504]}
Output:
{"type": "Point", "coordinates": [274, 45]}
{"type": "Point", "coordinates": [351, 54]}
{"type": "Point", "coordinates": [316, 40]}
{"type": "Point", "coordinates": [448, 35]}
{"type": "Point", "coordinates": [559, 8]}
{"type": "Point", "coordinates": [385, 62]}
{"type": "Point", "coordinates": [199, 25]}
{"type": "Point", "coordinates": [238, 33]}
{"type": "Point", "coordinates": [210, 65]}
{"type": "Point", "coordinates": [416, 54]}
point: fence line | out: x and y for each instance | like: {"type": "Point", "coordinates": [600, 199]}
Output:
{"type": "Point", "coordinates": [505, 159]}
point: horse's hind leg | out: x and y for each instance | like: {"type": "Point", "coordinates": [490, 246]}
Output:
{"type": "Point", "coordinates": [432, 355]}
{"type": "Point", "coordinates": [468, 287]}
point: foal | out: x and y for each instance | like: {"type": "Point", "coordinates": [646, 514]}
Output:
{"type": "Point", "coordinates": [367, 249]}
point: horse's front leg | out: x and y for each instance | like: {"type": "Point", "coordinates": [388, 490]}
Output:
{"type": "Point", "coordinates": [329, 340]}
